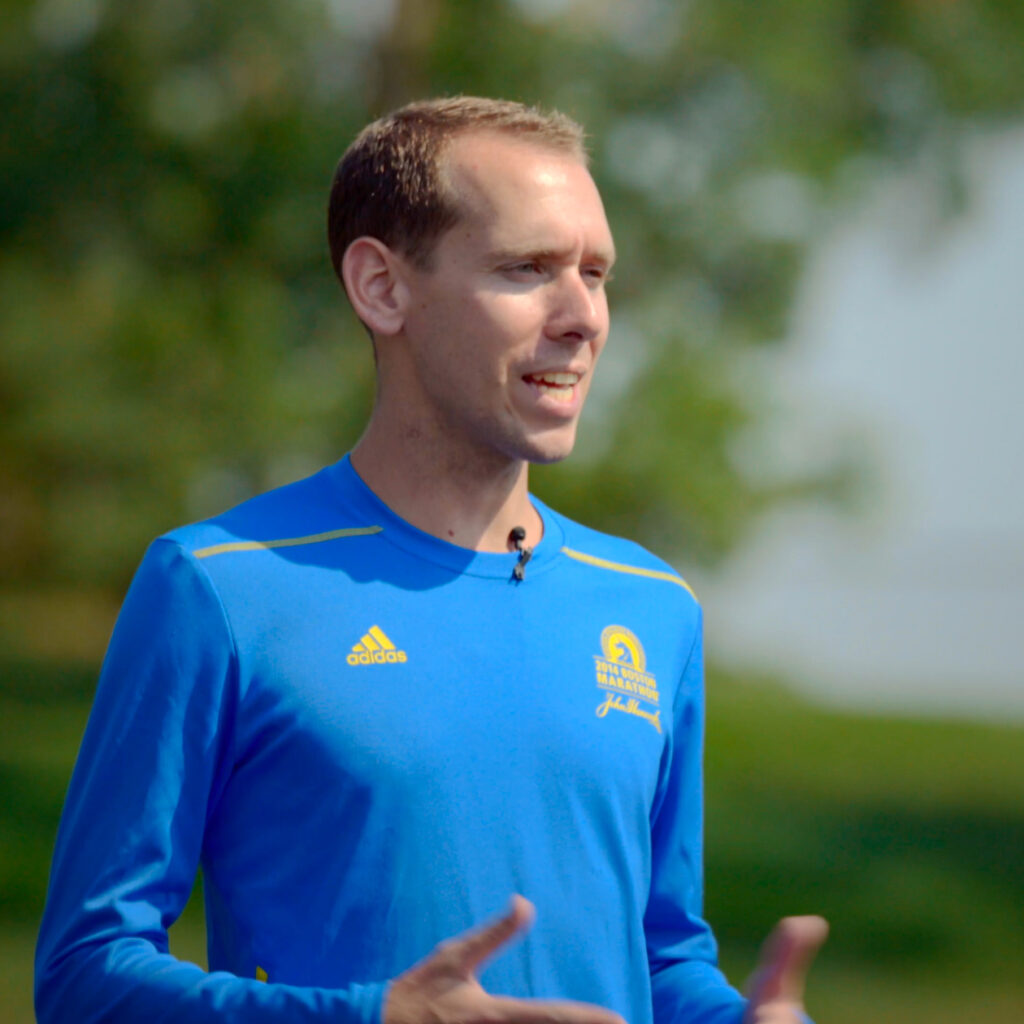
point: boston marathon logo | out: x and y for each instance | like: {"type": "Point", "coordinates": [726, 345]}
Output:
{"type": "Point", "coordinates": [622, 673]}
{"type": "Point", "coordinates": [375, 648]}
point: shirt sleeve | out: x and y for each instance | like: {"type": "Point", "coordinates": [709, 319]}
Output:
{"type": "Point", "coordinates": [687, 986]}
{"type": "Point", "coordinates": [156, 753]}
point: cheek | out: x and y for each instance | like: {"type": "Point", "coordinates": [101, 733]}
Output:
{"type": "Point", "coordinates": [513, 315]}
{"type": "Point", "coordinates": [505, 332]}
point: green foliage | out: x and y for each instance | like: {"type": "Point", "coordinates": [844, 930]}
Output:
{"type": "Point", "coordinates": [172, 337]}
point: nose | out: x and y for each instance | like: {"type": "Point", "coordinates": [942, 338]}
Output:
{"type": "Point", "coordinates": [579, 309]}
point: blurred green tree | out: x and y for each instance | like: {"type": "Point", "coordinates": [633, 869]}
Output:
{"type": "Point", "coordinates": [172, 338]}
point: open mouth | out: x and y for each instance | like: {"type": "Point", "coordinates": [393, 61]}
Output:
{"type": "Point", "coordinates": [559, 386]}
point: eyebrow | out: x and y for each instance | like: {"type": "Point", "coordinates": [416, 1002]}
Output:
{"type": "Point", "coordinates": [603, 256]}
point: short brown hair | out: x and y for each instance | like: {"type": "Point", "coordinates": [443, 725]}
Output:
{"type": "Point", "coordinates": [389, 183]}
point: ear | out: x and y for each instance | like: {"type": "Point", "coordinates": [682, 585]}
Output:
{"type": "Point", "coordinates": [372, 276]}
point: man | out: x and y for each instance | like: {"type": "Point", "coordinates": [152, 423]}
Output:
{"type": "Point", "coordinates": [378, 702]}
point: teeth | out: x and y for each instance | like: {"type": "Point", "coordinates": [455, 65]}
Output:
{"type": "Point", "coordinates": [560, 394]}
{"type": "Point", "coordinates": [558, 386]}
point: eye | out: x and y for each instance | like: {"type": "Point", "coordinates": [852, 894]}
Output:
{"type": "Point", "coordinates": [596, 275]}
{"type": "Point", "coordinates": [525, 267]}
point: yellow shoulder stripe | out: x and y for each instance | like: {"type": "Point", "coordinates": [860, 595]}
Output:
{"type": "Point", "coordinates": [632, 570]}
{"type": "Point", "coordinates": [287, 542]}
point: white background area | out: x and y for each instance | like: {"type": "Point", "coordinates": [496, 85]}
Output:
{"type": "Point", "coordinates": [907, 334]}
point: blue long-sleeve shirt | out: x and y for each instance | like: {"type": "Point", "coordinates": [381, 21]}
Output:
{"type": "Point", "coordinates": [370, 738]}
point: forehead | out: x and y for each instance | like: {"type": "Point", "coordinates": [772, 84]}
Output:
{"type": "Point", "coordinates": [514, 190]}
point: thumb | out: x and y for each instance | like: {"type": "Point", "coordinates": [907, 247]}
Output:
{"type": "Point", "coordinates": [472, 948]}
{"type": "Point", "coordinates": [785, 958]}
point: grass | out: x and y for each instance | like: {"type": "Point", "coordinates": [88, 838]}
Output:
{"type": "Point", "coordinates": [906, 834]}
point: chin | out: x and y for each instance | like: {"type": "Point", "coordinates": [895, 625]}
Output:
{"type": "Point", "coordinates": [547, 460]}
{"type": "Point", "coordinates": [546, 451]}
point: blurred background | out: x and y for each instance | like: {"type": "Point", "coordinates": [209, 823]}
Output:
{"type": "Point", "coordinates": [809, 404]}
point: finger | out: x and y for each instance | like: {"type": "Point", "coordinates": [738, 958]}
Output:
{"type": "Point", "coordinates": [472, 948]}
{"type": "Point", "coordinates": [549, 1011]}
{"type": "Point", "coordinates": [785, 959]}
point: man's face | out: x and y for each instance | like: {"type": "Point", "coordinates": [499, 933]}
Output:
{"type": "Point", "coordinates": [505, 326]}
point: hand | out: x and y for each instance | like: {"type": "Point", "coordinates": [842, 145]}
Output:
{"type": "Point", "coordinates": [776, 988]}
{"type": "Point", "coordinates": [442, 989]}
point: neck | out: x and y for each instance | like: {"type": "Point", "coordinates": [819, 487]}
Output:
{"type": "Point", "coordinates": [471, 499]}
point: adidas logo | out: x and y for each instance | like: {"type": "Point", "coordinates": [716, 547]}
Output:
{"type": "Point", "coordinates": [375, 648]}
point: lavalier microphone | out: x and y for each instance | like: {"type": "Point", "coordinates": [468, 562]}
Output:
{"type": "Point", "coordinates": [515, 538]}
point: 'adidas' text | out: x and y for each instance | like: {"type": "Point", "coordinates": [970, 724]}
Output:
{"type": "Point", "coordinates": [376, 648]}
